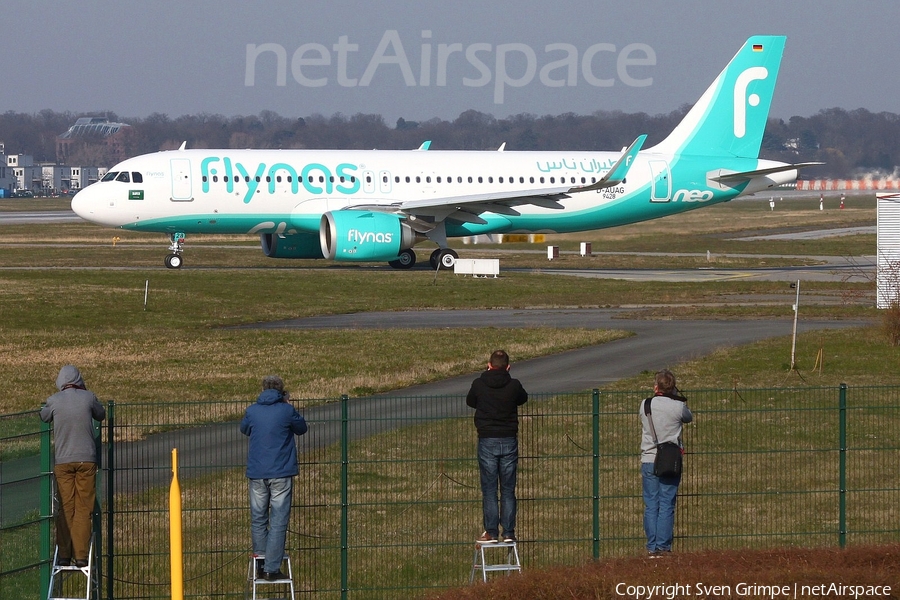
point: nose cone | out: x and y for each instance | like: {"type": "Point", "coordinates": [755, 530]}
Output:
{"type": "Point", "coordinates": [80, 204]}
{"type": "Point", "coordinates": [89, 204]}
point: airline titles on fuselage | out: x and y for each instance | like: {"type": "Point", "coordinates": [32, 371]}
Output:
{"type": "Point", "coordinates": [318, 178]}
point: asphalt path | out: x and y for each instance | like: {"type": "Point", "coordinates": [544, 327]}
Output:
{"type": "Point", "coordinates": [654, 345]}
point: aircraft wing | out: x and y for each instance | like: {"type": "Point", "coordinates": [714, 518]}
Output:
{"type": "Point", "coordinates": [467, 208]}
{"type": "Point", "coordinates": [724, 177]}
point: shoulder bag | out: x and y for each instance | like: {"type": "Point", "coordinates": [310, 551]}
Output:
{"type": "Point", "coordinates": [668, 461]}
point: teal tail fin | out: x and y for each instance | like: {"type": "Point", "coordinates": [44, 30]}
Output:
{"type": "Point", "coordinates": [730, 118]}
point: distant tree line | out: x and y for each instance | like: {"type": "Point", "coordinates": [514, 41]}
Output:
{"type": "Point", "coordinates": [851, 143]}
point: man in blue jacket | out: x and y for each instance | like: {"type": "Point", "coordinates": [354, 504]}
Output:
{"type": "Point", "coordinates": [271, 424]}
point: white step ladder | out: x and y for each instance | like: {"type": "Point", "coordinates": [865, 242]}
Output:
{"type": "Point", "coordinates": [480, 564]}
{"type": "Point", "coordinates": [61, 578]}
{"type": "Point", "coordinates": [253, 581]}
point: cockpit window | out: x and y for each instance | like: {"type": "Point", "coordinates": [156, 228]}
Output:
{"type": "Point", "coordinates": [123, 177]}
{"type": "Point", "coordinates": [136, 177]}
{"type": "Point", "coordinates": [110, 176]}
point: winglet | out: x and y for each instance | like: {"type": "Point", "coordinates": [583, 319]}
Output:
{"type": "Point", "coordinates": [617, 173]}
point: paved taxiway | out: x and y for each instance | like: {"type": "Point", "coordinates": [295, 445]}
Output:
{"type": "Point", "coordinates": [856, 269]}
{"type": "Point", "coordinates": [38, 216]}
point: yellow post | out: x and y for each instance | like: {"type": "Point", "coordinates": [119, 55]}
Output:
{"type": "Point", "coordinates": [175, 551]}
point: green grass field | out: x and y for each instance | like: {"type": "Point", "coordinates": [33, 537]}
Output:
{"type": "Point", "coordinates": [68, 294]}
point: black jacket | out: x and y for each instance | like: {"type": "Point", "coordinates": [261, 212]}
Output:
{"type": "Point", "coordinates": [496, 396]}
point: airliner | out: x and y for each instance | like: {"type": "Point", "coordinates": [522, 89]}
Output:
{"type": "Point", "coordinates": [377, 205]}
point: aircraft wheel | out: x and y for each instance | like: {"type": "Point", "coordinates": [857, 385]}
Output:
{"type": "Point", "coordinates": [174, 261]}
{"type": "Point", "coordinates": [405, 260]}
{"type": "Point", "coordinates": [448, 258]}
{"type": "Point", "coordinates": [434, 258]}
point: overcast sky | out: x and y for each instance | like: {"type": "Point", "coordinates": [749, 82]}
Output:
{"type": "Point", "coordinates": [425, 59]}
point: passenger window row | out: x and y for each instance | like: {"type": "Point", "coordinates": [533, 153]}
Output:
{"type": "Point", "coordinates": [409, 179]}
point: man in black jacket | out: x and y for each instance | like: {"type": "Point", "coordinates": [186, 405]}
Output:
{"type": "Point", "coordinates": [496, 396]}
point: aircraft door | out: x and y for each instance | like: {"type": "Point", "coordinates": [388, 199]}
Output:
{"type": "Point", "coordinates": [661, 189]}
{"type": "Point", "coordinates": [181, 180]}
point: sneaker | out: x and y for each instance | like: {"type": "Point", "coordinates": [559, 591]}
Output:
{"type": "Point", "coordinates": [81, 563]}
{"type": "Point", "coordinates": [486, 538]}
{"type": "Point", "coordinates": [509, 537]}
{"type": "Point", "coordinates": [276, 576]}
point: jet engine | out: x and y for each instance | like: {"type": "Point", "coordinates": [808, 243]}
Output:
{"type": "Point", "coordinates": [362, 235]}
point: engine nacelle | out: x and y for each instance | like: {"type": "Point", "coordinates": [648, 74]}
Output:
{"type": "Point", "coordinates": [293, 245]}
{"type": "Point", "coordinates": [363, 235]}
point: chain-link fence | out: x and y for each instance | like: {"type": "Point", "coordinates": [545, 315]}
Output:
{"type": "Point", "coordinates": [388, 500]}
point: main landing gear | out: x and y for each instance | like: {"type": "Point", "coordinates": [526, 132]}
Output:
{"type": "Point", "coordinates": [174, 260]}
{"type": "Point", "coordinates": [405, 260]}
{"type": "Point", "coordinates": [443, 258]}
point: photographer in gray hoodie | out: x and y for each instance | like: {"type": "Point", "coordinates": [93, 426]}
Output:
{"type": "Point", "coordinates": [72, 411]}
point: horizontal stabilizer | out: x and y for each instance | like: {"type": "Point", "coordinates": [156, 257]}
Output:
{"type": "Point", "coordinates": [748, 175]}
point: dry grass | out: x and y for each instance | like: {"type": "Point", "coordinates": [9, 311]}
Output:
{"type": "Point", "coordinates": [165, 366]}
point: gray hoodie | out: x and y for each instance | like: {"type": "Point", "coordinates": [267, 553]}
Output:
{"type": "Point", "coordinates": [72, 411]}
{"type": "Point", "coordinates": [668, 416]}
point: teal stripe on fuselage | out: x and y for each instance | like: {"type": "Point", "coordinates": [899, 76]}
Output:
{"type": "Point", "coordinates": [228, 224]}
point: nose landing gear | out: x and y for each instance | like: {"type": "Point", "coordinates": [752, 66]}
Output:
{"type": "Point", "coordinates": [174, 260]}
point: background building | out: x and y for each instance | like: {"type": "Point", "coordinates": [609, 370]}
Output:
{"type": "Point", "coordinates": [89, 130]}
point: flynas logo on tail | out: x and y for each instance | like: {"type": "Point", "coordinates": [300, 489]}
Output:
{"type": "Point", "coordinates": [742, 100]}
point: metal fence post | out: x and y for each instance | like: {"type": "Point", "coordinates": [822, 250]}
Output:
{"type": "Point", "coordinates": [110, 493]}
{"type": "Point", "coordinates": [46, 555]}
{"type": "Point", "coordinates": [344, 494]}
{"type": "Point", "coordinates": [842, 466]}
{"type": "Point", "coordinates": [595, 426]}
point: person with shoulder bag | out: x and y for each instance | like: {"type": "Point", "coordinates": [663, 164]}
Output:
{"type": "Point", "coordinates": [662, 416]}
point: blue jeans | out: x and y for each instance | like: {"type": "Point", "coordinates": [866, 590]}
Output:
{"type": "Point", "coordinates": [497, 461]}
{"type": "Point", "coordinates": [659, 508]}
{"type": "Point", "coordinates": [270, 509]}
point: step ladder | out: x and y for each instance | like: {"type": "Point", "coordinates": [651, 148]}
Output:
{"type": "Point", "coordinates": [254, 579]}
{"type": "Point", "coordinates": [64, 579]}
{"type": "Point", "coordinates": [479, 563]}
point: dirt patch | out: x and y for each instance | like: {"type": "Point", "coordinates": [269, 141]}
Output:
{"type": "Point", "coordinates": [860, 573]}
